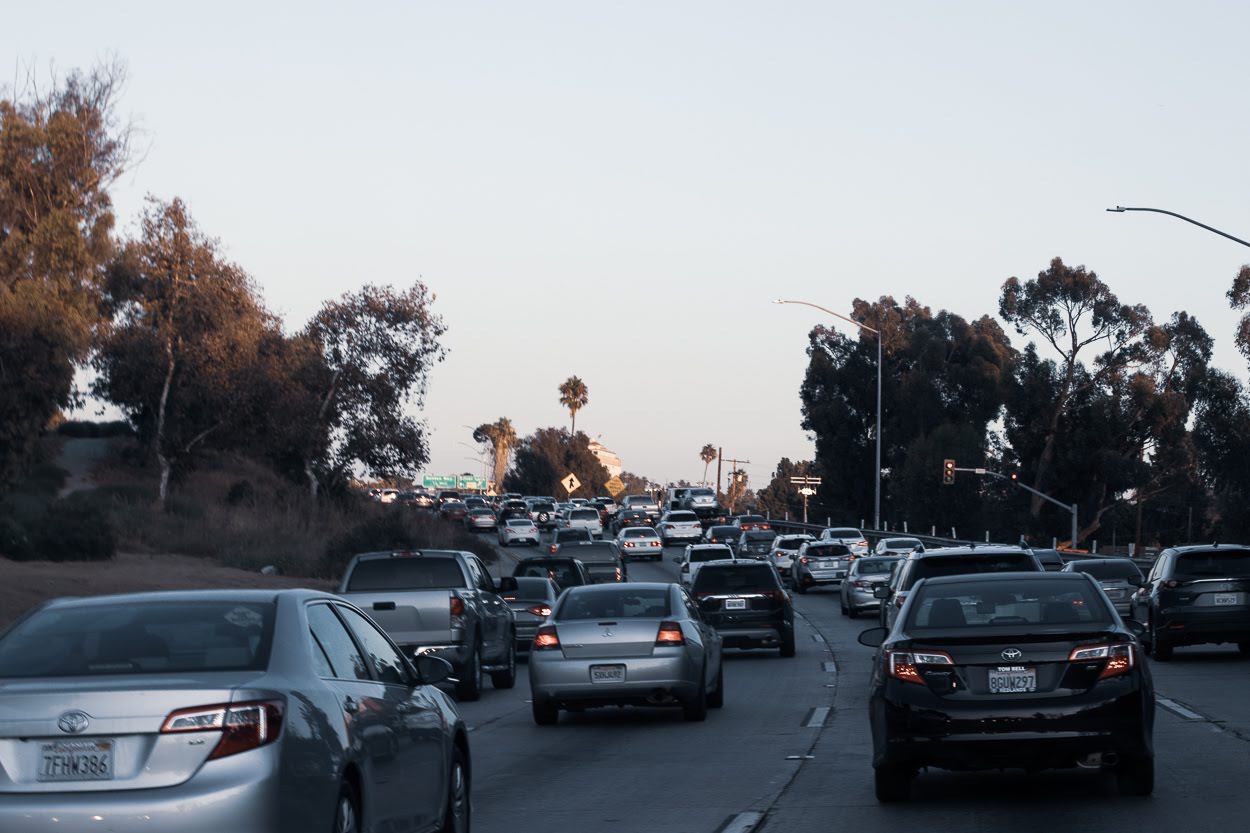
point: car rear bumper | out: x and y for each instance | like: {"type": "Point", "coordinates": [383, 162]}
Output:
{"type": "Point", "coordinates": [648, 680]}
{"type": "Point", "coordinates": [1185, 628]}
{"type": "Point", "coordinates": [822, 576]}
{"type": "Point", "coordinates": [760, 636]}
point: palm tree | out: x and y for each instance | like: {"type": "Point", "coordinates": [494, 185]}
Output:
{"type": "Point", "coordinates": [574, 395]}
{"type": "Point", "coordinates": [502, 437]}
{"type": "Point", "coordinates": [707, 455]}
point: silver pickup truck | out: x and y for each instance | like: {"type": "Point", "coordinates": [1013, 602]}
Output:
{"type": "Point", "coordinates": [440, 602]}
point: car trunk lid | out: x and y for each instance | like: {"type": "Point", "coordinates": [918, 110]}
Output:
{"type": "Point", "coordinates": [608, 638]}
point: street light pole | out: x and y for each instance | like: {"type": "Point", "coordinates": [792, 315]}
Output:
{"type": "Point", "coordinates": [876, 510]}
{"type": "Point", "coordinates": [1120, 209]}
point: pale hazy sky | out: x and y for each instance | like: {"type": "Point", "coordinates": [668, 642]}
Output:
{"type": "Point", "coordinates": [616, 190]}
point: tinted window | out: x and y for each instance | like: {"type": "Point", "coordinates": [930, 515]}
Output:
{"type": "Point", "coordinates": [754, 535]}
{"type": "Point", "coordinates": [405, 574]}
{"type": "Point", "coordinates": [1213, 564]}
{"type": "Point", "coordinates": [902, 543]}
{"type": "Point", "coordinates": [140, 638]}
{"type": "Point", "coordinates": [875, 566]}
{"type": "Point", "coordinates": [747, 578]}
{"type": "Point", "coordinates": [966, 564]}
{"type": "Point", "coordinates": [722, 531]}
{"type": "Point", "coordinates": [388, 665]}
{"type": "Point", "coordinates": [994, 603]}
{"type": "Point", "coordinates": [640, 533]}
{"type": "Point", "coordinates": [345, 659]}
{"type": "Point", "coordinates": [627, 603]}
{"type": "Point", "coordinates": [790, 543]}
{"type": "Point", "coordinates": [826, 550]}
{"type": "Point", "coordinates": [843, 533]}
{"type": "Point", "coordinates": [520, 523]}
{"type": "Point", "coordinates": [1107, 569]}
{"type": "Point", "coordinates": [682, 517]}
{"type": "Point", "coordinates": [584, 515]}
{"type": "Point", "coordinates": [592, 552]}
{"type": "Point", "coordinates": [562, 573]}
{"type": "Point", "coordinates": [710, 554]}
{"type": "Point", "coordinates": [533, 587]}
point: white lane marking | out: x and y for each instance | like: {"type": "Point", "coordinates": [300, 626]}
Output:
{"type": "Point", "coordinates": [1179, 710]}
{"type": "Point", "coordinates": [830, 666]}
{"type": "Point", "coordinates": [742, 823]}
{"type": "Point", "coordinates": [800, 757]}
{"type": "Point", "coordinates": [817, 638]}
{"type": "Point", "coordinates": [816, 718]}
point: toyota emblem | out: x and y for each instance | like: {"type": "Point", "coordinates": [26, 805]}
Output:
{"type": "Point", "coordinates": [1012, 654]}
{"type": "Point", "coordinates": [72, 722]}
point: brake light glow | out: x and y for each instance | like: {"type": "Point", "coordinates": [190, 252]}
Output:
{"type": "Point", "coordinates": [540, 610]}
{"type": "Point", "coordinates": [1120, 657]}
{"type": "Point", "coordinates": [546, 639]}
{"type": "Point", "coordinates": [803, 560]}
{"type": "Point", "coordinates": [670, 635]}
{"type": "Point", "coordinates": [776, 595]}
{"type": "Point", "coordinates": [457, 606]}
{"type": "Point", "coordinates": [243, 726]}
{"type": "Point", "coordinates": [904, 665]}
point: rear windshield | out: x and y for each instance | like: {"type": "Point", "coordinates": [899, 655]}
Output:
{"type": "Point", "coordinates": [641, 532]}
{"type": "Point", "coordinates": [572, 535]}
{"type": "Point", "coordinates": [563, 573]}
{"type": "Point", "coordinates": [618, 603]}
{"type": "Point", "coordinates": [901, 543]}
{"type": "Point", "coordinates": [592, 552]}
{"type": "Point", "coordinates": [722, 531]}
{"type": "Point", "coordinates": [791, 543]}
{"type": "Point", "coordinates": [827, 550]}
{"type": "Point", "coordinates": [584, 515]}
{"type": "Point", "coordinates": [544, 507]}
{"type": "Point", "coordinates": [532, 587]}
{"type": "Point", "coordinates": [682, 517]}
{"type": "Point", "coordinates": [744, 578]}
{"type": "Point", "coordinates": [163, 637]}
{"type": "Point", "coordinates": [1014, 604]}
{"type": "Point", "coordinates": [701, 493]}
{"type": "Point", "coordinates": [635, 500]}
{"type": "Point", "coordinates": [405, 574]}
{"type": "Point", "coordinates": [751, 519]}
{"type": "Point", "coordinates": [966, 564]}
{"type": "Point", "coordinates": [843, 533]}
{"type": "Point", "coordinates": [710, 554]}
{"type": "Point", "coordinates": [876, 566]}
{"type": "Point", "coordinates": [520, 523]}
{"type": "Point", "coordinates": [1108, 569]}
{"type": "Point", "coordinates": [759, 534]}
{"type": "Point", "coordinates": [1223, 564]}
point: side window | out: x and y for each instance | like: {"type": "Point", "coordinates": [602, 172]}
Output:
{"type": "Point", "coordinates": [484, 580]}
{"type": "Point", "coordinates": [321, 662]}
{"type": "Point", "coordinates": [388, 665]}
{"type": "Point", "coordinates": [341, 652]}
{"type": "Point", "coordinates": [475, 572]}
{"type": "Point", "coordinates": [691, 607]}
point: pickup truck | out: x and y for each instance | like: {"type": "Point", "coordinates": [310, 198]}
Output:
{"type": "Point", "coordinates": [440, 602]}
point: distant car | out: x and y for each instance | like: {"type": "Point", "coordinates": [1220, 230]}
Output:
{"type": "Point", "coordinates": [531, 599]}
{"type": "Point", "coordinates": [721, 534]}
{"type": "Point", "coordinates": [849, 536]}
{"type": "Point", "coordinates": [864, 575]}
{"type": "Point", "coordinates": [480, 517]}
{"type": "Point", "coordinates": [517, 531]}
{"type": "Point", "coordinates": [820, 563]}
{"type": "Point", "coordinates": [751, 522]}
{"type": "Point", "coordinates": [423, 500]}
{"type": "Point", "coordinates": [754, 543]}
{"type": "Point", "coordinates": [584, 518]}
{"type": "Point", "coordinates": [475, 501]}
{"type": "Point", "coordinates": [679, 527]}
{"type": "Point", "coordinates": [453, 510]}
{"type": "Point", "coordinates": [199, 709]}
{"type": "Point", "coordinates": [564, 571]}
{"type": "Point", "coordinates": [446, 495]}
{"type": "Point", "coordinates": [1051, 560]}
{"type": "Point", "coordinates": [607, 509]}
{"type": "Point", "coordinates": [781, 551]}
{"type": "Point", "coordinates": [631, 517]}
{"type": "Point", "coordinates": [655, 652]}
{"type": "Point", "coordinates": [513, 509]}
{"type": "Point", "coordinates": [602, 559]}
{"type": "Point", "coordinates": [1194, 595]}
{"type": "Point", "coordinates": [953, 561]}
{"type": "Point", "coordinates": [897, 546]}
{"type": "Point", "coordinates": [543, 513]}
{"type": "Point", "coordinates": [562, 535]}
{"type": "Point", "coordinates": [1119, 578]}
{"type": "Point", "coordinates": [747, 604]}
{"type": "Point", "coordinates": [1010, 670]}
{"type": "Point", "coordinates": [644, 502]}
{"type": "Point", "coordinates": [388, 495]}
{"type": "Point", "coordinates": [640, 542]}
{"type": "Point", "coordinates": [696, 555]}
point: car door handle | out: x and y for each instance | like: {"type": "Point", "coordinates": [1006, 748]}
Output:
{"type": "Point", "coordinates": [350, 705]}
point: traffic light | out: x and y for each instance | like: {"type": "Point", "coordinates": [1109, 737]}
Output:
{"type": "Point", "coordinates": [1014, 477]}
{"type": "Point", "coordinates": [948, 472]}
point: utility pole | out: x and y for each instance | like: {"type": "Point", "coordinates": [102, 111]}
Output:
{"type": "Point", "coordinates": [733, 470]}
{"type": "Point", "coordinates": [720, 452]}
{"type": "Point", "coordinates": [807, 482]}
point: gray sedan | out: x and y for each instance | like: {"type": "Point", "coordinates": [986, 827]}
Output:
{"type": "Point", "coordinates": [864, 575]}
{"type": "Point", "coordinates": [626, 644]}
{"type": "Point", "coordinates": [239, 710]}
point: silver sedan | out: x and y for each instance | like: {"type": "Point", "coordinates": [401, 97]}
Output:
{"type": "Point", "coordinates": [239, 710]}
{"type": "Point", "coordinates": [625, 644]}
{"type": "Point", "coordinates": [865, 575]}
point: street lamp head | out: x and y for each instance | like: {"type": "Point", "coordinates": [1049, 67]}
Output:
{"type": "Point", "coordinates": [777, 301]}
{"type": "Point", "coordinates": [1119, 209]}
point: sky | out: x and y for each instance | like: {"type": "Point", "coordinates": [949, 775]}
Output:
{"type": "Point", "coordinates": [617, 190]}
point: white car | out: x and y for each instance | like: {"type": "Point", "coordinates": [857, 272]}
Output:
{"type": "Point", "coordinates": [588, 519]}
{"type": "Point", "coordinates": [639, 542]}
{"type": "Point", "coordinates": [518, 531]}
{"type": "Point", "coordinates": [696, 555]}
{"type": "Point", "coordinates": [388, 495]}
{"type": "Point", "coordinates": [848, 536]}
{"type": "Point", "coordinates": [679, 526]}
{"type": "Point", "coordinates": [783, 550]}
{"type": "Point", "coordinates": [898, 546]}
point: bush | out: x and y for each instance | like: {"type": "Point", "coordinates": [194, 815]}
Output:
{"type": "Point", "coordinates": [80, 430]}
{"type": "Point", "coordinates": [399, 527]}
{"type": "Point", "coordinates": [73, 528]}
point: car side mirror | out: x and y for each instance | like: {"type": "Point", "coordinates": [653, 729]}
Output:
{"type": "Point", "coordinates": [1136, 581]}
{"type": "Point", "coordinates": [432, 670]}
{"type": "Point", "coordinates": [881, 591]}
{"type": "Point", "coordinates": [873, 637]}
{"type": "Point", "coordinates": [507, 584]}
{"type": "Point", "coordinates": [1136, 628]}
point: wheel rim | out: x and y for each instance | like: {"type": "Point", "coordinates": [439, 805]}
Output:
{"type": "Point", "coordinates": [346, 816]}
{"type": "Point", "coordinates": [459, 804]}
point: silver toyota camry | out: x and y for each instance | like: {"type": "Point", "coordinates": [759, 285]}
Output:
{"type": "Point", "coordinates": [638, 644]}
{"type": "Point", "coordinates": [227, 710]}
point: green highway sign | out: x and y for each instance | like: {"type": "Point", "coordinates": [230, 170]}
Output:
{"type": "Point", "coordinates": [465, 481]}
{"type": "Point", "coordinates": [439, 481]}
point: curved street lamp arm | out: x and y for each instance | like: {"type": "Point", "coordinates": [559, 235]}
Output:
{"type": "Point", "coordinates": [862, 326]}
{"type": "Point", "coordinates": [1120, 209]}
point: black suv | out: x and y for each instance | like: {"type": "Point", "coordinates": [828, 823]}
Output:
{"type": "Point", "coordinates": [1195, 595]}
{"type": "Point", "coordinates": [952, 561]}
{"type": "Point", "coordinates": [564, 571]}
{"type": "Point", "coordinates": [754, 543]}
{"type": "Point", "coordinates": [746, 604]}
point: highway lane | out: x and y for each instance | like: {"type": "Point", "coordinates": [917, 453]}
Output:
{"type": "Point", "coordinates": [627, 770]}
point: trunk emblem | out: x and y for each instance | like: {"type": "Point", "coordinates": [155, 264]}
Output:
{"type": "Point", "coordinates": [72, 722]}
{"type": "Point", "coordinates": [1012, 654]}
{"type": "Point", "coordinates": [607, 632]}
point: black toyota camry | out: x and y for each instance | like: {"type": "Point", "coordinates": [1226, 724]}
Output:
{"type": "Point", "coordinates": [1009, 671]}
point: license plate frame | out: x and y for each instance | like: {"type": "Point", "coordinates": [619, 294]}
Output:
{"type": "Point", "coordinates": [735, 604]}
{"type": "Point", "coordinates": [1226, 599]}
{"type": "Point", "coordinates": [62, 751]}
{"type": "Point", "coordinates": [1012, 681]}
{"type": "Point", "coordinates": [607, 674]}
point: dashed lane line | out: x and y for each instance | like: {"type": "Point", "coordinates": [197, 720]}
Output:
{"type": "Point", "coordinates": [816, 718]}
{"type": "Point", "coordinates": [830, 666]}
{"type": "Point", "coordinates": [1179, 710]}
{"type": "Point", "coordinates": [741, 823]}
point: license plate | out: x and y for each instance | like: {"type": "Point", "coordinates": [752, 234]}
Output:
{"type": "Point", "coordinates": [735, 604]}
{"type": "Point", "coordinates": [1226, 598]}
{"type": "Point", "coordinates": [1013, 682]}
{"type": "Point", "coordinates": [76, 760]}
{"type": "Point", "coordinates": [607, 673]}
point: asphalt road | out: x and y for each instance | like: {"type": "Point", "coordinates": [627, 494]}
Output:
{"type": "Point", "coordinates": [790, 752]}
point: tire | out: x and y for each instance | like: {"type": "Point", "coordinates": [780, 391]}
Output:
{"type": "Point", "coordinates": [695, 710]}
{"type": "Point", "coordinates": [716, 700]}
{"type": "Point", "coordinates": [1243, 648]}
{"type": "Point", "coordinates": [800, 587]}
{"type": "Point", "coordinates": [1159, 650]}
{"type": "Point", "coordinates": [507, 678]}
{"type": "Point", "coordinates": [545, 714]}
{"type": "Point", "coordinates": [458, 814]}
{"type": "Point", "coordinates": [470, 675]}
{"type": "Point", "coordinates": [1136, 777]}
{"type": "Point", "coordinates": [852, 613]}
{"type": "Point", "coordinates": [787, 644]}
{"type": "Point", "coordinates": [347, 810]}
{"type": "Point", "coordinates": [892, 783]}
{"type": "Point", "coordinates": [846, 611]}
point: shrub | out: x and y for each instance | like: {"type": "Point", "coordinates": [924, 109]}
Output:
{"type": "Point", "coordinates": [399, 527]}
{"type": "Point", "coordinates": [70, 529]}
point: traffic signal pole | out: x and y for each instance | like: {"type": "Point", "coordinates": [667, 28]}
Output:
{"type": "Point", "coordinates": [1072, 507]}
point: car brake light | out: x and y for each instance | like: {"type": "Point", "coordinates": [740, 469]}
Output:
{"type": "Point", "coordinates": [1171, 583]}
{"type": "Point", "coordinates": [243, 726]}
{"type": "Point", "coordinates": [552, 548]}
{"type": "Point", "coordinates": [776, 595]}
{"type": "Point", "coordinates": [457, 606]}
{"type": "Point", "coordinates": [670, 635]}
{"type": "Point", "coordinates": [1120, 658]}
{"type": "Point", "coordinates": [862, 585]}
{"type": "Point", "coordinates": [628, 544]}
{"type": "Point", "coordinates": [546, 639]}
{"type": "Point", "coordinates": [803, 560]}
{"type": "Point", "coordinates": [904, 665]}
{"type": "Point", "coordinates": [540, 610]}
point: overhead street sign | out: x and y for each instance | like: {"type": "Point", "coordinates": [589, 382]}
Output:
{"type": "Point", "coordinates": [614, 486]}
{"type": "Point", "coordinates": [439, 481]}
{"type": "Point", "coordinates": [466, 481]}
{"type": "Point", "coordinates": [571, 483]}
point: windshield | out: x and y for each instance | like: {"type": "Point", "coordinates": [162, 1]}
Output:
{"type": "Point", "coordinates": [640, 533]}
{"type": "Point", "coordinates": [722, 531]}
{"type": "Point", "coordinates": [901, 543]}
{"type": "Point", "coordinates": [965, 564]}
{"type": "Point", "coordinates": [790, 543]}
{"type": "Point", "coordinates": [701, 493]}
{"type": "Point", "coordinates": [405, 574]}
{"type": "Point", "coordinates": [827, 550]}
{"type": "Point", "coordinates": [710, 554]}
{"type": "Point", "coordinates": [844, 533]}
{"type": "Point", "coordinates": [875, 566]}
{"type": "Point", "coordinates": [745, 578]}
{"type": "Point", "coordinates": [165, 637]}
{"type": "Point", "coordinates": [561, 572]}
{"type": "Point", "coordinates": [682, 517]}
{"type": "Point", "coordinates": [615, 603]}
{"type": "Point", "coordinates": [755, 535]}
{"type": "Point", "coordinates": [591, 552]}
{"type": "Point", "coordinates": [1108, 569]}
{"type": "Point", "coordinates": [1212, 564]}
{"type": "Point", "coordinates": [992, 603]}
{"type": "Point", "coordinates": [584, 515]}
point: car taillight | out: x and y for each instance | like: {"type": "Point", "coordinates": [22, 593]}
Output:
{"type": "Point", "coordinates": [776, 595]}
{"type": "Point", "coordinates": [540, 610]}
{"type": "Point", "coordinates": [862, 585]}
{"type": "Point", "coordinates": [618, 573]}
{"type": "Point", "coordinates": [243, 726]}
{"type": "Point", "coordinates": [803, 560]}
{"type": "Point", "coordinates": [670, 635]}
{"type": "Point", "coordinates": [904, 665]}
{"type": "Point", "coordinates": [1171, 583]}
{"type": "Point", "coordinates": [862, 544]}
{"type": "Point", "coordinates": [552, 548]}
{"type": "Point", "coordinates": [546, 639]}
{"type": "Point", "coordinates": [1120, 657]}
{"type": "Point", "coordinates": [628, 544]}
